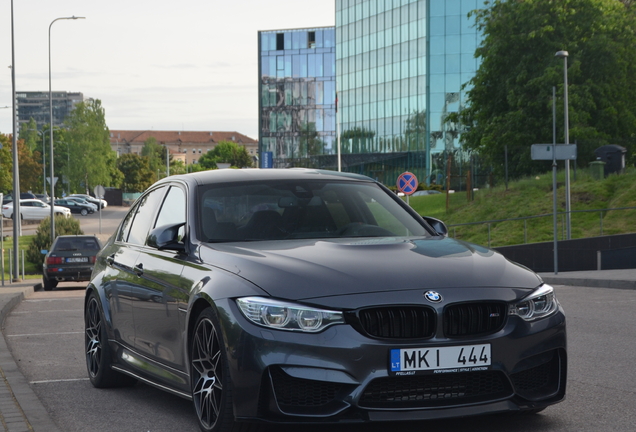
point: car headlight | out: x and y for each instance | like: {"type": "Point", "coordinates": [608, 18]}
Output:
{"type": "Point", "coordinates": [540, 304]}
{"type": "Point", "coordinates": [287, 316]}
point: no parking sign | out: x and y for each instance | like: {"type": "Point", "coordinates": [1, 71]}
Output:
{"type": "Point", "coordinates": [407, 183]}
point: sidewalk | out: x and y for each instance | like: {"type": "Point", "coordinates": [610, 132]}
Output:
{"type": "Point", "coordinates": [618, 279]}
{"type": "Point", "coordinates": [22, 411]}
{"type": "Point", "coordinates": [20, 408]}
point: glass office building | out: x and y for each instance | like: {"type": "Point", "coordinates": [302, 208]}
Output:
{"type": "Point", "coordinates": [297, 79]}
{"type": "Point", "coordinates": [400, 66]}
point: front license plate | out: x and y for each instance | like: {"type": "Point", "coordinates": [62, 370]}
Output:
{"type": "Point", "coordinates": [77, 260]}
{"type": "Point", "coordinates": [443, 359]}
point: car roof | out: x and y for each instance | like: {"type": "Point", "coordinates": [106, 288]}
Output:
{"type": "Point", "coordinates": [245, 175]}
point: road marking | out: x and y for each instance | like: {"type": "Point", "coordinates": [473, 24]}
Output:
{"type": "Point", "coordinates": [43, 334]}
{"type": "Point", "coordinates": [47, 311]}
{"type": "Point", "coordinates": [58, 380]}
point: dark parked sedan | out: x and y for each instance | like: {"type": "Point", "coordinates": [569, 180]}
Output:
{"type": "Point", "coordinates": [75, 207]}
{"type": "Point", "coordinates": [304, 296]}
{"type": "Point", "coordinates": [71, 258]}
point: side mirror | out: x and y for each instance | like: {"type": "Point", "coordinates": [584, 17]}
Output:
{"type": "Point", "coordinates": [166, 237]}
{"type": "Point", "coordinates": [438, 226]}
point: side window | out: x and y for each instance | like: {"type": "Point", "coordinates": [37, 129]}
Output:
{"type": "Point", "coordinates": [125, 226]}
{"type": "Point", "coordinates": [173, 210]}
{"type": "Point", "coordinates": [145, 215]}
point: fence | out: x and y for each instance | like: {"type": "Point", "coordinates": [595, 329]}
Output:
{"type": "Point", "coordinates": [526, 218]}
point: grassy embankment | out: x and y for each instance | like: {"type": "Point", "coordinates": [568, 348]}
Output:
{"type": "Point", "coordinates": [526, 197]}
{"type": "Point", "coordinates": [532, 197]}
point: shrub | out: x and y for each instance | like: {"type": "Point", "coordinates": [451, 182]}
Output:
{"type": "Point", "coordinates": [42, 239]}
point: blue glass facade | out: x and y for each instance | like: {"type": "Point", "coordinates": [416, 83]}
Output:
{"type": "Point", "coordinates": [400, 66]}
{"type": "Point", "coordinates": [297, 79]}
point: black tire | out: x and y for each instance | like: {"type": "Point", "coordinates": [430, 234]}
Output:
{"type": "Point", "coordinates": [84, 212]}
{"type": "Point", "coordinates": [48, 284]}
{"type": "Point", "coordinates": [210, 378]}
{"type": "Point", "coordinates": [98, 354]}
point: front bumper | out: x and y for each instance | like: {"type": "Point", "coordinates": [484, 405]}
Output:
{"type": "Point", "coordinates": [340, 375]}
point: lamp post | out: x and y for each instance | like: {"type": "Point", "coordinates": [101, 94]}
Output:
{"type": "Point", "coordinates": [52, 180]}
{"type": "Point", "coordinates": [16, 168]}
{"type": "Point", "coordinates": [564, 56]}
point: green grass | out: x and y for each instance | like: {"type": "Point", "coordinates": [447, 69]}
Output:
{"type": "Point", "coordinates": [30, 270]}
{"type": "Point", "coordinates": [526, 197]}
{"type": "Point", "coordinates": [532, 197]}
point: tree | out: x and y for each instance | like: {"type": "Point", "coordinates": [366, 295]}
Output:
{"type": "Point", "coordinates": [30, 168]}
{"type": "Point", "coordinates": [155, 155]}
{"type": "Point", "coordinates": [42, 239]}
{"type": "Point", "coordinates": [29, 133]}
{"type": "Point", "coordinates": [510, 97]}
{"type": "Point", "coordinates": [88, 147]}
{"type": "Point", "coordinates": [226, 152]}
{"type": "Point", "coordinates": [177, 167]}
{"type": "Point", "coordinates": [136, 172]}
{"type": "Point", "coordinates": [6, 164]}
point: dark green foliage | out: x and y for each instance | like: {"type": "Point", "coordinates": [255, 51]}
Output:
{"type": "Point", "coordinates": [226, 152]}
{"type": "Point", "coordinates": [510, 97]}
{"type": "Point", "coordinates": [136, 171]}
{"type": "Point", "coordinates": [85, 156]}
{"type": "Point", "coordinates": [42, 239]}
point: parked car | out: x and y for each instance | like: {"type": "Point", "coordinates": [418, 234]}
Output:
{"type": "Point", "coordinates": [99, 202]}
{"type": "Point", "coordinates": [23, 195]}
{"type": "Point", "coordinates": [43, 197]}
{"type": "Point", "coordinates": [425, 192]}
{"type": "Point", "coordinates": [82, 201]}
{"type": "Point", "coordinates": [34, 209]}
{"type": "Point", "coordinates": [74, 206]}
{"type": "Point", "coordinates": [299, 295]}
{"type": "Point", "coordinates": [71, 258]}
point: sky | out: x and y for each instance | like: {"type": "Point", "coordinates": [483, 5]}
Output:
{"type": "Point", "coordinates": [188, 65]}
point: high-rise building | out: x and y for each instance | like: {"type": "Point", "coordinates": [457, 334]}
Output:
{"type": "Point", "coordinates": [297, 78]}
{"type": "Point", "coordinates": [35, 105]}
{"type": "Point", "coordinates": [400, 67]}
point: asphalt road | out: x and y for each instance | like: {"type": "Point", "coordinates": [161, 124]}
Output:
{"type": "Point", "coordinates": [45, 335]}
{"type": "Point", "coordinates": [101, 225]}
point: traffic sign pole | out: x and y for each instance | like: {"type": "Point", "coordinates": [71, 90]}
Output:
{"type": "Point", "coordinates": [407, 184]}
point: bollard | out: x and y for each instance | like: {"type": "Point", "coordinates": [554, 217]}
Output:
{"type": "Point", "coordinates": [10, 266]}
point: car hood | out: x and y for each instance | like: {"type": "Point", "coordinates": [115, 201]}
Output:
{"type": "Point", "coordinates": [301, 269]}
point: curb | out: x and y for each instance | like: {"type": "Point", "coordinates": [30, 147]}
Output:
{"type": "Point", "coordinates": [26, 403]}
{"type": "Point", "coordinates": [592, 283]}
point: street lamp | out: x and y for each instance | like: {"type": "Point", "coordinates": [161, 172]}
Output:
{"type": "Point", "coordinates": [564, 56]}
{"type": "Point", "coordinates": [17, 220]}
{"type": "Point", "coordinates": [51, 134]}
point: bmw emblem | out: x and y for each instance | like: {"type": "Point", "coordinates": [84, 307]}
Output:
{"type": "Point", "coordinates": [433, 296]}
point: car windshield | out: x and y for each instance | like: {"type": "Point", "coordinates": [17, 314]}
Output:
{"type": "Point", "coordinates": [288, 209]}
{"type": "Point", "coordinates": [77, 244]}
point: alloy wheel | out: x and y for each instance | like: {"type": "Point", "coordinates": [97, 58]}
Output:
{"type": "Point", "coordinates": [93, 337]}
{"type": "Point", "coordinates": [207, 373]}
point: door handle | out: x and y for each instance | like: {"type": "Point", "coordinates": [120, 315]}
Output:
{"type": "Point", "coordinates": [139, 269]}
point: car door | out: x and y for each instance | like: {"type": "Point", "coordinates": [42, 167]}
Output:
{"type": "Point", "coordinates": [40, 210]}
{"type": "Point", "coordinates": [26, 210]}
{"type": "Point", "coordinates": [121, 257]}
{"type": "Point", "coordinates": [158, 321]}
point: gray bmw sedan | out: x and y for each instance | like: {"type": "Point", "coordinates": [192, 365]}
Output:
{"type": "Point", "coordinates": [307, 296]}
